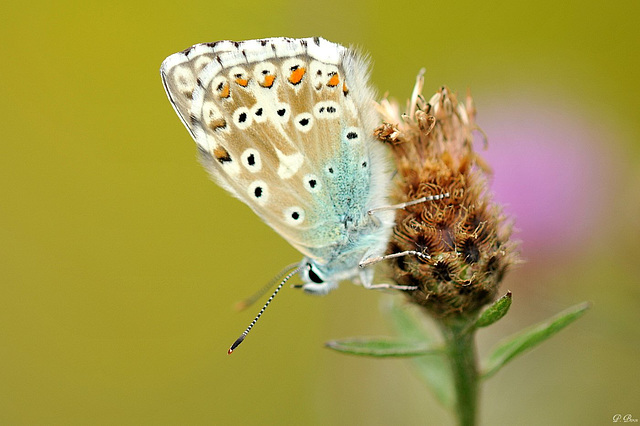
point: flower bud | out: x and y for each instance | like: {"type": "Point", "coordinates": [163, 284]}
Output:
{"type": "Point", "coordinates": [466, 235]}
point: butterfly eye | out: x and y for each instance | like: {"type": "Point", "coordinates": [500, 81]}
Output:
{"type": "Point", "coordinates": [313, 276]}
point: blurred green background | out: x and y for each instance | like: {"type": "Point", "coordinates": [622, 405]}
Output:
{"type": "Point", "coordinates": [121, 262]}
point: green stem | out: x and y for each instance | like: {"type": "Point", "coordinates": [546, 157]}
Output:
{"type": "Point", "coordinates": [460, 341]}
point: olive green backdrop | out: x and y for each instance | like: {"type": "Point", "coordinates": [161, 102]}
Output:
{"type": "Point", "coordinates": [120, 262]}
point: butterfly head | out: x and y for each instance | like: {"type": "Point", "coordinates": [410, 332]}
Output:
{"type": "Point", "coordinates": [315, 279]}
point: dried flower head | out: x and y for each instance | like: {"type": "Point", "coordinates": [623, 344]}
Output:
{"type": "Point", "coordinates": [466, 235]}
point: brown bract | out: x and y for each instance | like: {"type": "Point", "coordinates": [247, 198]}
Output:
{"type": "Point", "coordinates": [466, 234]}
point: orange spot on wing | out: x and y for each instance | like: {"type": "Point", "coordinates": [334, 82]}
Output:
{"type": "Point", "coordinates": [344, 89]}
{"type": "Point", "coordinates": [225, 92]}
{"type": "Point", "coordinates": [242, 82]}
{"type": "Point", "coordinates": [217, 124]}
{"type": "Point", "coordinates": [296, 75]}
{"type": "Point", "coordinates": [268, 80]}
{"type": "Point", "coordinates": [221, 154]}
{"type": "Point", "coordinates": [333, 81]}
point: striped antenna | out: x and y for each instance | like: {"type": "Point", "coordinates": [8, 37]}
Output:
{"type": "Point", "coordinates": [255, 320]}
{"type": "Point", "coordinates": [245, 303]}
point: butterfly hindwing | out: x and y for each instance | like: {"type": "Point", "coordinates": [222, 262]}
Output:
{"type": "Point", "coordinates": [284, 125]}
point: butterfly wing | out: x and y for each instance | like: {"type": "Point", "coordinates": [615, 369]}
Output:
{"type": "Point", "coordinates": [284, 125]}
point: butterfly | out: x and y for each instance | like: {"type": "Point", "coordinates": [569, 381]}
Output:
{"type": "Point", "coordinates": [286, 125]}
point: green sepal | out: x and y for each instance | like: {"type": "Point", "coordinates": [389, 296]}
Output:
{"type": "Point", "coordinates": [494, 312]}
{"type": "Point", "coordinates": [379, 347]}
{"type": "Point", "coordinates": [526, 339]}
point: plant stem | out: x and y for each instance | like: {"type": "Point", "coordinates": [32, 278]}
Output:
{"type": "Point", "coordinates": [460, 341]}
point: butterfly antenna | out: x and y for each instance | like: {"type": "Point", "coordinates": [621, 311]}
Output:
{"type": "Point", "coordinates": [255, 320]}
{"type": "Point", "coordinates": [245, 303]}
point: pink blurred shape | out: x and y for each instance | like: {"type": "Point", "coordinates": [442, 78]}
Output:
{"type": "Point", "coordinates": [550, 171]}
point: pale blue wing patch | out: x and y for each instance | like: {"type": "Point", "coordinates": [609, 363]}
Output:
{"type": "Point", "coordinates": [286, 126]}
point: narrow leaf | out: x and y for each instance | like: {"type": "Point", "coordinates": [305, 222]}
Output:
{"type": "Point", "coordinates": [496, 311]}
{"type": "Point", "coordinates": [379, 347]}
{"type": "Point", "coordinates": [433, 369]}
{"type": "Point", "coordinates": [410, 324]}
{"type": "Point", "coordinates": [530, 337]}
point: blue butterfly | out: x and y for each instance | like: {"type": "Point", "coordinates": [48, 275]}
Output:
{"type": "Point", "coordinates": [286, 125]}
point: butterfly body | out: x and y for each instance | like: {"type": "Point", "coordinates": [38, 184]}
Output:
{"type": "Point", "coordinates": [286, 125]}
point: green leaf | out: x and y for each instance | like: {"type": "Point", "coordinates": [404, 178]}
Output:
{"type": "Point", "coordinates": [410, 323]}
{"type": "Point", "coordinates": [496, 311]}
{"type": "Point", "coordinates": [433, 369]}
{"type": "Point", "coordinates": [526, 339]}
{"type": "Point", "coordinates": [379, 347]}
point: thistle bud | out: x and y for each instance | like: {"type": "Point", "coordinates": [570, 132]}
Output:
{"type": "Point", "coordinates": [465, 234]}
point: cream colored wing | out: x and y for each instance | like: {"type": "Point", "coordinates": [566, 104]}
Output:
{"type": "Point", "coordinates": [284, 125]}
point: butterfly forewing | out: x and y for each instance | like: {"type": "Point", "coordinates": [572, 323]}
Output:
{"type": "Point", "coordinates": [278, 125]}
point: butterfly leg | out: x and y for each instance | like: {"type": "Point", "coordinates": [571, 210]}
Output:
{"type": "Point", "coordinates": [366, 280]}
{"type": "Point", "coordinates": [366, 274]}
{"type": "Point", "coordinates": [368, 261]}
{"type": "Point", "coordinates": [408, 203]}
